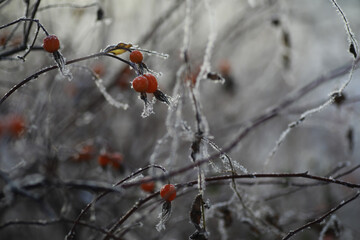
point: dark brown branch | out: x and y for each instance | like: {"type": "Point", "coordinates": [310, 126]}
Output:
{"type": "Point", "coordinates": [129, 213]}
{"type": "Point", "coordinates": [318, 220]}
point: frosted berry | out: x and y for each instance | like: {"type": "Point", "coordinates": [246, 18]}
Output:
{"type": "Point", "coordinates": [140, 84]}
{"type": "Point", "coordinates": [136, 56]}
{"type": "Point", "coordinates": [51, 43]}
{"type": "Point", "coordinates": [168, 192]}
{"type": "Point", "coordinates": [153, 84]}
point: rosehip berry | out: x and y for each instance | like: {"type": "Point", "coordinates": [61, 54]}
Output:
{"type": "Point", "coordinates": [140, 84]}
{"type": "Point", "coordinates": [153, 84]}
{"type": "Point", "coordinates": [104, 159]}
{"type": "Point", "coordinates": [148, 187]}
{"type": "Point", "coordinates": [168, 192]}
{"type": "Point", "coordinates": [51, 44]}
{"type": "Point", "coordinates": [136, 56]}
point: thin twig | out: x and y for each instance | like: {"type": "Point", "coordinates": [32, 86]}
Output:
{"type": "Point", "coordinates": [318, 220]}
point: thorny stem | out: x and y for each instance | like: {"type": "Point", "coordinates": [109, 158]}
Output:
{"type": "Point", "coordinates": [195, 146]}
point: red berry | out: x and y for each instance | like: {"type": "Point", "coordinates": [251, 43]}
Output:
{"type": "Point", "coordinates": [148, 187]}
{"type": "Point", "coordinates": [16, 125]}
{"type": "Point", "coordinates": [153, 84]}
{"type": "Point", "coordinates": [168, 192]}
{"type": "Point", "coordinates": [85, 153]}
{"type": "Point", "coordinates": [116, 160]}
{"type": "Point", "coordinates": [51, 44]}
{"type": "Point", "coordinates": [104, 159]}
{"type": "Point", "coordinates": [136, 56]}
{"type": "Point", "coordinates": [140, 84]}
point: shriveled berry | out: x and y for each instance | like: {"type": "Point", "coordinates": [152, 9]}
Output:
{"type": "Point", "coordinates": [51, 43]}
{"type": "Point", "coordinates": [153, 84]}
{"type": "Point", "coordinates": [140, 84]}
{"type": "Point", "coordinates": [168, 192]}
{"type": "Point", "coordinates": [136, 56]}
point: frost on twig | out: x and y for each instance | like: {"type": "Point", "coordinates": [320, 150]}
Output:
{"type": "Point", "coordinates": [354, 47]}
{"type": "Point", "coordinates": [148, 106]}
{"type": "Point", "coordinates": [108, 97]}
{"type": "Point", "coordinates": [61, 62]}
{"type": "Point", "coordinates": [333, 96]}
{"type": "Point", "coordinates": [164, 216]}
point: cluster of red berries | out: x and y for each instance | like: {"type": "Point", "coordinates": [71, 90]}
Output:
{"type": "Point", "coordinates": [144, 83]}
{"type": "Point", "coordinates": [51, 43]}
{"type": "Point", "coordinates": [113, 159]}
{"type": "Point", "coordinates": [12, 125]}
{"type": "Point", "coordinates": [88, 152]}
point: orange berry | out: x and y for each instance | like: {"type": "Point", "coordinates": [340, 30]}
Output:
{"type": "Point", "coordinates": [51, 43]}
{"type": "Point", "coordinates": [140, 84]}
{"type": "Point", "coordinates": [153, 84]}
{"type": "Point", "coordinates": [168, 192]}
{"type": "Point", "coordinates": [104, 159]}
{"type": "Point", "coordinates": [148, 187]}
{"type": "Point", "coordinates": [136, 56]}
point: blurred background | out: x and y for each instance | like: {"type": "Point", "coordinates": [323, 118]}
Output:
{"type": "Point", "coordinates": [52, 130]}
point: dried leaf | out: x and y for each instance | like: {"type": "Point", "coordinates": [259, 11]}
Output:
{"type": "Point", "coordinates": [350, 138]}
{"type": "Point", "coordinates": [195, 213]}
{"type": "Point", "coordinates": [352, 50]}
{"type": "Point", "coordinates": [214, 76]}
{"type": "Point", "coordinates": [164, 216]}
{"type": "Point", "coordinates": [100, 14]}
{"type": "Point", "coordinates": [161, 97]}
{"type": "Point", "coordinates": [118, 49]}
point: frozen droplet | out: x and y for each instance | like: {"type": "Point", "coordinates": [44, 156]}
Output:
{"type": "Point", "coordinates": [151, 52]}
{"type": "Point", "coordinates": [148, 108]}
